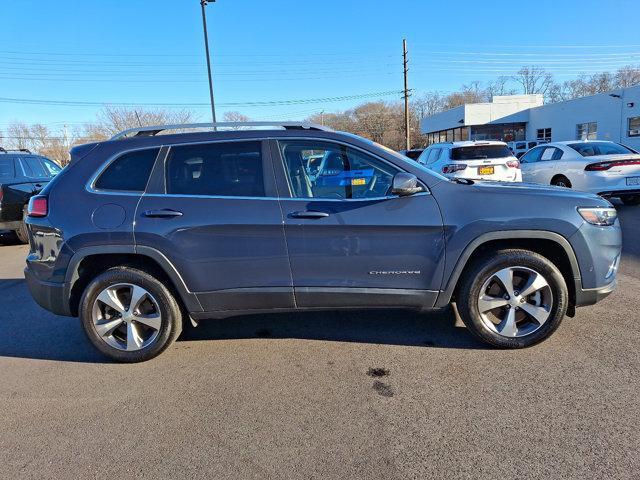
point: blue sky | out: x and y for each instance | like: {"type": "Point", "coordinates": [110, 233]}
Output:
{"type": "Point", "coordinates": [144, 51]}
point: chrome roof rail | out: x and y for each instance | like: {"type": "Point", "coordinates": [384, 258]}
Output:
{"type": "Point", "coordinates": [153, 130]}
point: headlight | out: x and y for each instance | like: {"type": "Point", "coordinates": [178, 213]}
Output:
{"type": "Point", "coordinates": [603, 216]}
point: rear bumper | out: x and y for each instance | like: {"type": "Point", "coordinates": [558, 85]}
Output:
{"type": "Point", "coordinates": [50, 296]}
{"type": "Point", "coordinates": [591, 296]}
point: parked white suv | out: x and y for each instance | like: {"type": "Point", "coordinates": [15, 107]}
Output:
{"type": "Point", "coordinates": [605, 168]}
{"type": "Point", "coordinates": [487, 160]}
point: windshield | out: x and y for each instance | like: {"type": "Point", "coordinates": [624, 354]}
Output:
{"type": "Point", "coordinates": [590, 149]}
{"type": "Point", "coordinates": [480, 152]}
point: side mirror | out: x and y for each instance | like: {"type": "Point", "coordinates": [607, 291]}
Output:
{"type": "Point", "coordinates": [405, 184]}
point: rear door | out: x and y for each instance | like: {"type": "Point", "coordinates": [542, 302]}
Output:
{"type": "Point", "coordinates": [351, 242]}
{"type": "Point", "coordinates": [212, 210]}
{"type": "Point", "coordinates": [531, 165]}
{"type": "Point", "coordinates": [35, 171]}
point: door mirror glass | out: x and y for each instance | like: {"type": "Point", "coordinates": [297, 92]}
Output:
{"type": "Point", "coordinates": [405, 184]}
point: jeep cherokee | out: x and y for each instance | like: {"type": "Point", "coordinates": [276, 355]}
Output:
{"type": "Point", "coordinates": [150, 229]}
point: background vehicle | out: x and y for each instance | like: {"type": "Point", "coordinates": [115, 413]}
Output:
{"type": "Point", "coordinates": [604, 168]}
{"type": "Point", "coordinates": [413, 154]}
{"type": "Point", "coordinates": [488, 160]}
{"type": "Point", "coordinates": [138, 233]}
{"type": "Point", "coordinates": [22, 175]}
{"type": "Point", "coordinates": [519, 148]}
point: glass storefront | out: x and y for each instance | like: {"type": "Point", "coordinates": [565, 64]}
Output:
{"type": "Point", "coordinates": [506, 132]}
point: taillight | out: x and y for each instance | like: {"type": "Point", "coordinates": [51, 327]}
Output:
{"type": "Point", "coordinates": [453, 167]}
{"type": "Point", "coordinates": [38, 206]}
{"type": "Point", "coordinates": [1, 193]}
{"type": "Point", "coordinates": [601, 166]}
{"type": "Point", "coordinates": [513, 164]}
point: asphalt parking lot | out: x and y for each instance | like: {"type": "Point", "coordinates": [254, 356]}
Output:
{"type": "Point", "coordinates": [348, 395]}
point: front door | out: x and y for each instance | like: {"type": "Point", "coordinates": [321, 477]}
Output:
{"type": "Point", "coordinates": [352, 243]}
{"type": "Point", "coordinates": [216, 217]}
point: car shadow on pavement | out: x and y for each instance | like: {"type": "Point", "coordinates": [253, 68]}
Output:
{"type": "Point", "coordinates": [28, 331]}
{"type": "Point", "coordinates": [8, 238]}
{"type": "Point", "coordinates": [388, 327]}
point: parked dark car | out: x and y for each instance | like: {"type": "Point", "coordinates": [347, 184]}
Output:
{"type": "Point", "coordinates": [413, 154]}
{"type": "Point", "coordinates": [22, 175]}
{"type": "Point", "coordinates": [144, 231]}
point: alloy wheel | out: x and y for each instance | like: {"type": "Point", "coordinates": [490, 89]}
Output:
{"type": "Point", "coordinates": [515, 301]}
{"type": "Point", "coordinates": [126, 317]}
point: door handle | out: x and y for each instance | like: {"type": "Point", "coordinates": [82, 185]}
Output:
{"type": "Point", "coordinates": [162, 213]}
{"type": "Point", "coordinates": [308, 214]}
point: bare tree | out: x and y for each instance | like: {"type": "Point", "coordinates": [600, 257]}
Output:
{"type": "Point", "coordinates": [112, 120]}
{"type": "Point", "coordinates": [235, 117]}
{"type": "Point", "coordinates": [627, 77]}
{"type": "Point", "coordinates": [533, 80]}
{"type": "Point", "coordinates": [499, 87]}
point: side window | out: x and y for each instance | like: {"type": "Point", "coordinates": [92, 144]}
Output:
{"type": "Point", "coordinates": [547, 154]}
{"type": "Point", "coordinates": [422, 159]}
{"type": "Point", "coordinates": [345, 173]}
{"type": "Point", "coordinates": [52, 168]}
{"type": "Point", "coordinates": [6, 168]}
{"type": "Point", "coordinates": [226, 169]}
{"type": "Point", "coordinates": [129, 172]}
{"type": "Point", "coordinates": [532, 156]}
{"type": "Point", "coordinates": [32, 167]}
{"type": "Point", "coordinates": [434, 155]}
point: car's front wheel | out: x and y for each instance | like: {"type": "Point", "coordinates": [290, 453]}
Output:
{"type": "Point", "coordinates": [512, 298]}
{"type": "Point", "coordinates": [129, 315]}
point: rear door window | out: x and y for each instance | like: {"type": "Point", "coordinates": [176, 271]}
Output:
{"type": "Point", "coordinates": [32, 167]}
{"type": "Point", "coordinates": [129, 172]}
{"type": "Point", "coordinates": [480, 152]}
{"type": "Point", "coordinates": [227, 169]}
{"type": "Point", "coordinates": [6, 168]}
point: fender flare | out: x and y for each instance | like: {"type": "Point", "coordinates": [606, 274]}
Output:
{"type": "Point", "coordinates": [189, 298]}
{"type": "Point", "coordinates": [444, 298]}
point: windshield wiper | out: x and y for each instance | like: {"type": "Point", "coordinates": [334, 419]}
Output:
{"type": "Point", "coordinates": [462, 181]}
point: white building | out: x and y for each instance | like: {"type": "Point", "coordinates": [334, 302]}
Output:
{"type": "Point", "coordinates": [611, 116]}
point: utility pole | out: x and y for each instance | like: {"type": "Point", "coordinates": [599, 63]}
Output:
{"type": "Point", "coordinates": [203, 3]}
{"type": "Point", "coordinates": [406, 94]}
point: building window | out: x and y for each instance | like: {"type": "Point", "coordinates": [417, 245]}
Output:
{"type": "Point", "coordinates": [587, 131]}
{"type": "Point", "coordinates": [634, 127]}
{"type": "Point", "coordinates": [543, 135]}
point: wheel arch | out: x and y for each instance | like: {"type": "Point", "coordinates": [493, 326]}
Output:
{"type": "Point", "coordinates": [551, 245]}
{"type": "Point", "coordinates": [89, 262]}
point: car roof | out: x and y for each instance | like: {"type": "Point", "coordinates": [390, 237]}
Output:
{"type": "Point", "coordinates": [573, 142]}
{"type": "Point", "coordinates": [469, 143]}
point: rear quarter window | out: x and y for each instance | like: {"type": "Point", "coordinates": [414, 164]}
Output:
{"type": "Point", "coordinates": [129, 172]}
{"type": "Point", "coordinates": [6, 168]}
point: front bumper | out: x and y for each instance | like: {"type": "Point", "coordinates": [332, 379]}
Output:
{"type": "Point", "coordinates": [590, 296]}
{"type": "Point", "coordinates": [50, 296]}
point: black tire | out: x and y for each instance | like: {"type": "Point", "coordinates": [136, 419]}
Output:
{"type": "Point", "coordinates": [171, 316]}
{"type": "Point", "coordinates": [21, 232]}
{"type": "Point", "coordinates": [483, 269]}
{"type": "Point", "coordinates": [630, 200]}
{"type": "Point", "coordinates": [561, 181]}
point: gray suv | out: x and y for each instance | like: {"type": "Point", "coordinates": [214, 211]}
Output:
{"type": "Point", "coordinates": [149, 230]}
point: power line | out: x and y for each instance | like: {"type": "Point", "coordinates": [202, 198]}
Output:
{"type": "Point", "coordinates": [263, 103]}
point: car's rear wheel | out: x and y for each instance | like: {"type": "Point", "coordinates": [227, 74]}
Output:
{"type": "Point", "coordinates": [513, 298]}
{"type": "Point", "coordinates": [21, 231]}
{"type": "Point", "coordinates": [630, 199]}
{"type": "Point", "coordinates": [561, 181]}
{"type": "Point", "coordinates": [129, 315]}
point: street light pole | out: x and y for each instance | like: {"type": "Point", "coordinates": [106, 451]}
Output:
{"type": "Point", "coordinates": [203, 3]}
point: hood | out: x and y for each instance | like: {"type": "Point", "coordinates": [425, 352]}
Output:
{"type": "Point", "coordinates": [522, 188]}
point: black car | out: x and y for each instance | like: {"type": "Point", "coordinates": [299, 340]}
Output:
{"type": "Point", "coordinates": [22, 175]}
